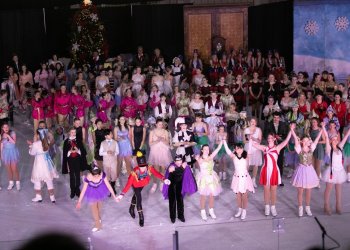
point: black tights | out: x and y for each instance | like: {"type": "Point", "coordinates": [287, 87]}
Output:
{"type": "Point", "coordinates": [137, 198]}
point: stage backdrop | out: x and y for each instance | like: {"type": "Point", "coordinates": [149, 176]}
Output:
{"type": "Point", "coordinates": [202, 23]}
{"type": "Point", "coordinates": [322, 37]}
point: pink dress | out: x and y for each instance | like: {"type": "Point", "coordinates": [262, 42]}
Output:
{"type": "Point", "coordinates": [102, 109]}
{"type": "Point", "coordinates": [129, 107]}
{"type": "Point", "coordinates": [62, 103]}
{"type": "Point", "coordinates": [49, 106]}
{"type": "Point", "coordinates": [42, 78]}
{"type": "Point", "coordinates": [38, 109]}
{"type": "Point", "coordinates": [79, 104]}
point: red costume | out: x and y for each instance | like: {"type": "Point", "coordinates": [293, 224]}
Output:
{"type": "Point", "coordinates": [62, 103]}
{"type": "Point", "coordinates": [79, 105]}
{"type": "Point", "coordinates": [138, 179]}
{"type": "Point", "coordinates": [340, 111]}
{"type": "Point", "coordinates": [38, 109]}
{"type": "Point", "coordinates": [129, 107]}
{"type": "Point", "coordinates": [319, 109]}
{"type": "Point", "coordinates": [49, 106]}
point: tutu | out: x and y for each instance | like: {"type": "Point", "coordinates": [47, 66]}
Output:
{"type": "Point", "coordinates": [10, 153]}
{"type": "Point", "coordinates": [305, 177]}
{"type": "Point", "coordinates": [338, 177]}
{"type": "Point", "coordinates": [96, 191]}
{"type": "Point", "coordinates": [208, 182]}
{"type": "Point", "coordinates": [242, 184]}
{"type": "Point", "coordinates": [124, 144]}
{"type": "Point", "coordinates": [160, 155]}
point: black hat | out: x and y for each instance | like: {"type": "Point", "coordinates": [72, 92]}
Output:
{"type": "Point", "coordinates": [178, 158]}
{"type": "Point", "coordinates": [141, 159]}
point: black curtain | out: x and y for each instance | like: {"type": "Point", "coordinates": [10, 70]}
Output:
{"type": "Point", "coordinates": [270, 27]}
{"type": "Point", "coordinates": [22, 32]}
{"type": "Point", "coordinates": [159, 26]}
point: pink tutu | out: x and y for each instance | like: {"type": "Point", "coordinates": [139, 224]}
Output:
{"type": "Point", "coordinates": [242, 183]}
{"type": "Point", "coordinates": [305, 177]}
{"type": "Point", "coordinates": [160, 155]}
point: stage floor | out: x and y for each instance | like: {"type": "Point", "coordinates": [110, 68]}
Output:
{"type": "Point", "coordinates": [22, 219]}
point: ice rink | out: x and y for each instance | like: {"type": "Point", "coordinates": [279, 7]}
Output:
{"type": "Point", "coordinates": [21, 219]}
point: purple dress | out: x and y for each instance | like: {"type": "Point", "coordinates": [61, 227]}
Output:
{"type": "Point", "coordinates": [96, 191]}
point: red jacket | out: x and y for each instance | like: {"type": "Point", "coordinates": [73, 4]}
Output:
{"type": "Point", "coordinates": [134, 178]}
{"type": "Point", "coordinates": [340, 111]}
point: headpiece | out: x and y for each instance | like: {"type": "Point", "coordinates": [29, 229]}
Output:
{"type": "Point", "coordinates": [141, 159]}
{"type": "Point", "coordinates": [42, 133]}
{"type": "Point", "coordinates": [330, 109]}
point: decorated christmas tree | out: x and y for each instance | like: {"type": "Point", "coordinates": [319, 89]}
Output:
{"type": "Point", "coordinates": [87, 34]}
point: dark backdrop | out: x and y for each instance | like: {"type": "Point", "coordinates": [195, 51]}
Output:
{"type": "Point", "coordinates": [270, 26]}
{"type": "Point", "coordinates": [22, 31]}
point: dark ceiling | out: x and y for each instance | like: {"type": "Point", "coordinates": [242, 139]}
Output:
{"type": "Point", "coordinates": [33, 4]}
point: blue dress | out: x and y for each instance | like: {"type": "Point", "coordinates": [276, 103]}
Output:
{"type": "Point", "coordinates": [10, 152]}
{"type": "Point", "coordinates": [124, 143]}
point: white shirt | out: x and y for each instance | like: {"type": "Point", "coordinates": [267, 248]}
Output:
{"type": "Point", "coordinates": [103, 152]}
{"type": "Point", "coordinates": [162, 113]}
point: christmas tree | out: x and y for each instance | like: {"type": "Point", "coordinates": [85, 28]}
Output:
{"type": "Point", "coordinates": [87, 34]}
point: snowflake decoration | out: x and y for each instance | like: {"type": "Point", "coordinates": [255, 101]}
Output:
{"type": "Point", "coordinates": [94, 17]}
{"type": "Point", "coordinates": [311, 27]}
{"type": "Point", "coordinates": [342, 23]}
{"type": "Point", "coordinates": [75, 47]}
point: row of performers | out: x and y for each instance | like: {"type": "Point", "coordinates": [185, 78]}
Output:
{"type": "Point", "coordinates": [179, 180]}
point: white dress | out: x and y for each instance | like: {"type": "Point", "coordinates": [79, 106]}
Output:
{"type": "Point", "coordinates": [43, 167]}
{"type": "Point", "coordinates": [241, 180]}
{"type": "Point", "coordinates": [338, 171]}
{"type": "Point", "coordinates": [255, 155]}
{"type": "Point", "coordinates": [168, 89]}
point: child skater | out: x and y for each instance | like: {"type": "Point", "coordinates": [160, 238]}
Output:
{"type": "Point", "coordinates": [43, 169]}
{"type": "Point", "coordinates": [96, 188]}
{"type": "Point", "coordinates": [72, 162]}
{"type": "Point", "coordinates": [335, 173]}
{"type": "Point", "coordinates": [270, 175]}
{"type": "Point", "coordinates": [10, 156]}
{"type": "Point", "coordinates": [305, 176]}
{"type": "Point", "coordinates": [208, 181]}
{"type": "Point", "coordinates": [241, 180]}
{"type": "Point", "coordinates": [138, 179]}
{"type": "Point", "coordinates": [182, 183]}
{"type": "Point", "coordinates": [109, 150]}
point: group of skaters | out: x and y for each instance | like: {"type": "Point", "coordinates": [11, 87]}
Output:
{"type": "Point", "coordinates": [178, 128]}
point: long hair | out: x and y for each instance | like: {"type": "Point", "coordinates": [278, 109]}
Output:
{"type": "Point", "coordinates": [125, 124]}
{"type": "Point", "coordinates": [44, 141]}
{"type": "Point", "coordinates": [204, 145]}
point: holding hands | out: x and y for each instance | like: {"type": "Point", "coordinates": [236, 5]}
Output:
{"type": "Point", "coordinates": [119, 198]}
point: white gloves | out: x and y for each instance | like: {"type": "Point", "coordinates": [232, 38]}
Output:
{"type": "Point", "coordinates": [119, 197]}
{"type": "Point", "coordinates": [167, 182]}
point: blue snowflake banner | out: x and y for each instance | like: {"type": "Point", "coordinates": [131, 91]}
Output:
{"type": "Point", "coordinates": [322, 37]}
